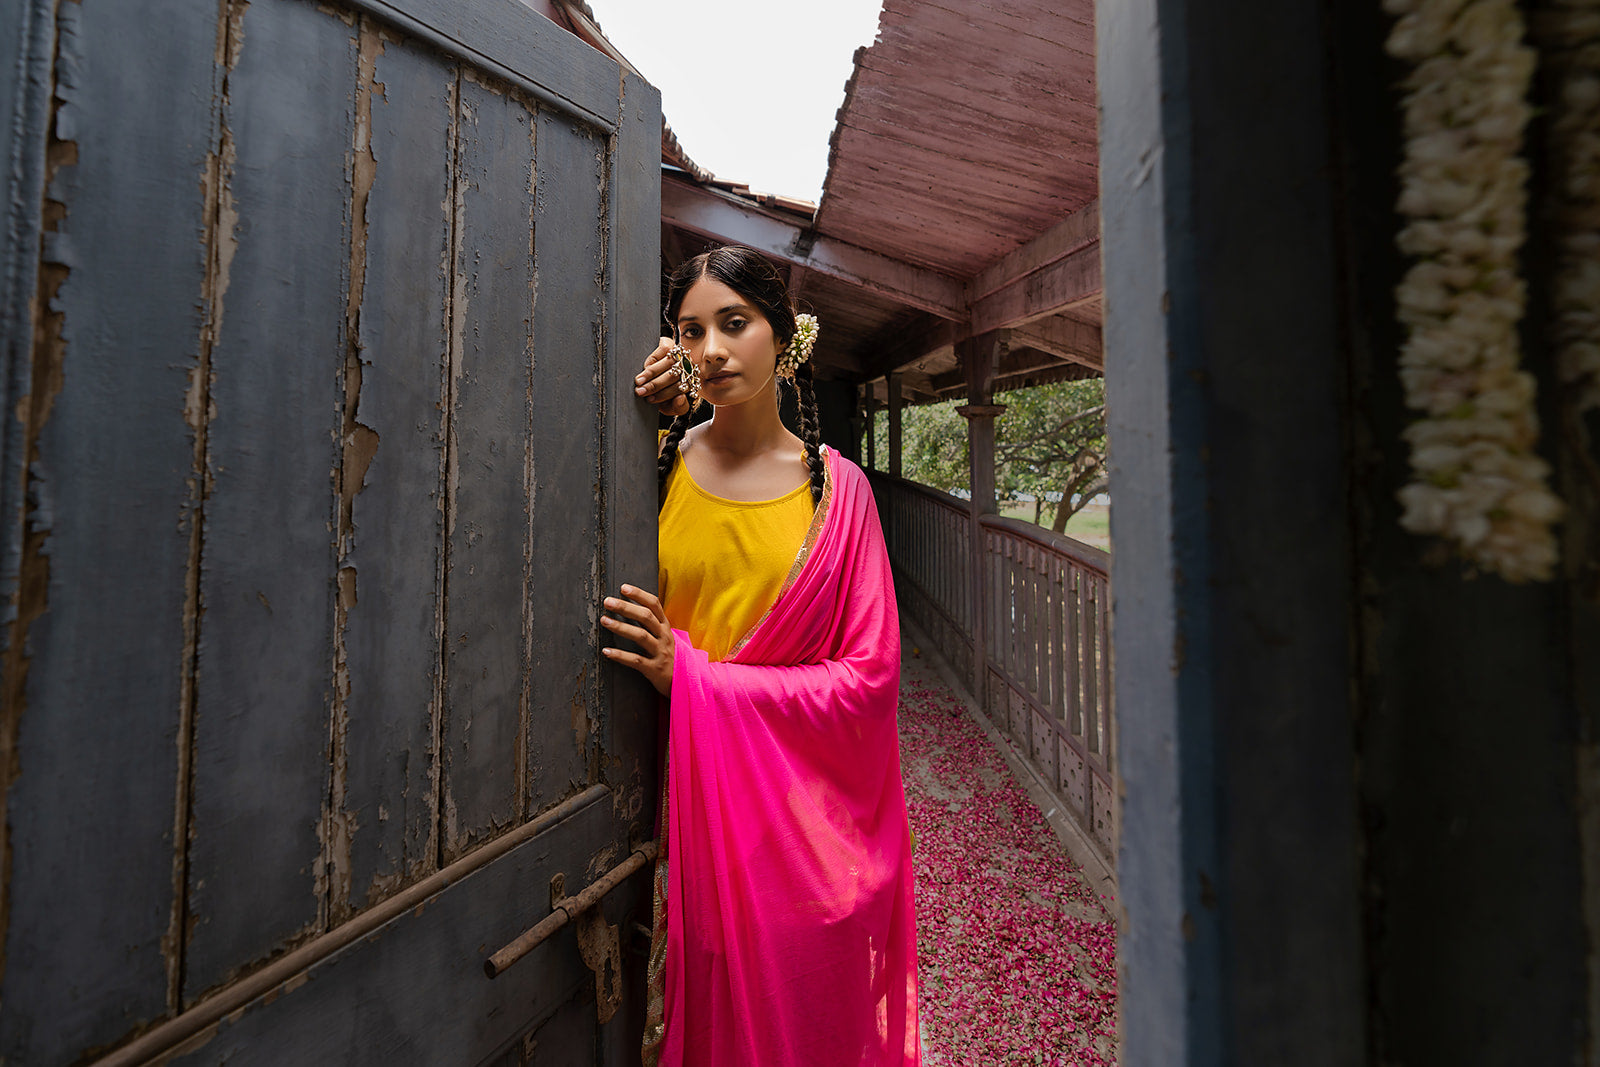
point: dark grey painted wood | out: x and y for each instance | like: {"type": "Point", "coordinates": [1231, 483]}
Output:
{"type": "Point", "coordinates": [391, 636]}
{"type": "Point", "coordinates": [486, 635]}
{"type": "Point", "coordinates": [1280, 638]}
{"type": "Point", "coordinates": [1233, 618]}
{"type": "Point", "coordinates": [629, 703]}
{"type": "Point", "coordinates": [568, 342]}
{"type": "Point", "coordinates": [414, 991]}
{"type": "Point", "coordinates": [568, 1036]}
{"type": "Point", "coordinates": [91, 808]}
{"type": "Point", "coordinates": [265, 669]}
{"type": "Point", "coordinates": [313, 752]}
{"type": "Point", "coordinates": [506, 39]}
{"type": "Point", "coordinates": [27, 37]}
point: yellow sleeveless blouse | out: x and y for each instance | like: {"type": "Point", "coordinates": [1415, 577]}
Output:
{"type": "Point", "coordinates": [724, 562]}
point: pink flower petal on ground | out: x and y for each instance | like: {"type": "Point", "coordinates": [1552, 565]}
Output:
{"type": "Point", "coordinates": [1018, 953]}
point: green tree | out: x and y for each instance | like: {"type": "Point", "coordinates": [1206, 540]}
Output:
{"type": "Point", "coordinates": [1050, 439]}
{"type": "Point", "coordinates": [933, 445]}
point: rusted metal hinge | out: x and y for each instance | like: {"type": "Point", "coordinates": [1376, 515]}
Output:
{"type": "Point", "coordinates": [598, 941]}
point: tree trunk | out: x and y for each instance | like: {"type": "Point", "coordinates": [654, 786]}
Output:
{"type": "Point", "coordinates": [1064, 511]}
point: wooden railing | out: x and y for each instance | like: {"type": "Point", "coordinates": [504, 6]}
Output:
{"type": "Point", "coordinates": [930, 544]}
{"type": "Point", "coordinates": [1042, 603]}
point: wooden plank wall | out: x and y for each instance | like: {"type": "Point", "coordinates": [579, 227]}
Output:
{"type": "Point", "coordinates": [395, 555]}
{"type": "Point", "coordinates": [263, 675]}
{"type": "Point", "coordinates": [111, 278]}
{"type": "Point", "coordinates": [314, 440]}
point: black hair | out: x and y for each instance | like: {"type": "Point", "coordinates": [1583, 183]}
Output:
{"type": "Point", "coordinates": [751, 275]}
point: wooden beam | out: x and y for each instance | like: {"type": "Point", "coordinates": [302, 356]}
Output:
{"type": "Point", "coordinates": [672, 250]}
{"type": "Point", "coordinates": [797, 280]}
{"type": "Point", "coordinates": [1072, 234]}
{"type": "Point", "coordinates": [1017, 361]}
{"type": "Point", "coordinates": [901, 345]}
{"type": "Point", "coordinates": [721, 216]}
{"type": "Point", "coordinates": [1067, 283]}
{"type": "Point", "coordinates": [1075, 342]}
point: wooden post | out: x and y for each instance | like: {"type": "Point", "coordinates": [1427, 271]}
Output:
{"type": "Point", "coordinates": [894, 426]}
{"type": "Point", "coordinates": [1335, 743]}
{"type": "Point", "coordinates": [980, 356]}
{"type": "Point", "coordinates": [870, 407]}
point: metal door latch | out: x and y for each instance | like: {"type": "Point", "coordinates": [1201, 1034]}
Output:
{"type": "Point", "coordinates": [601, 950]}
{"type": "Point", "coordinates": [598, 941]}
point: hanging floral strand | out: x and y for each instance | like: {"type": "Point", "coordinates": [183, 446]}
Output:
{"type": "Point", "coordinates": [1569, 37]}
{"type": "Point", "coordinates": [1475, 477]}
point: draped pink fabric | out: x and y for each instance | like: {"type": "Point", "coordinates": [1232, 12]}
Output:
{"type": "Point", "coordinates": [791, 937]}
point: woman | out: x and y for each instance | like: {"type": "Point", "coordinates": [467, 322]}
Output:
{"type": "Point", "coordinates": [784, 933]}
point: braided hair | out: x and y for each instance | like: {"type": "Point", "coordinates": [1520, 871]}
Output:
{"type": "Point", "coordinates": [751, 275]}
{"type": "Point", "coordinates": [810, 429]}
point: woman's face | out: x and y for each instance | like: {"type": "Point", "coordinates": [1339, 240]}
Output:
{"type": "Point", "coordinates": [730, 343]}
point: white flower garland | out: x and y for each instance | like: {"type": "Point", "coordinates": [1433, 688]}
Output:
{"type": "Point", "coordinates": [1475, 477]}
{"type": "Point", "coordinates": [800, 345]}
{"type": "Point", "coordinates": [1569, 33]}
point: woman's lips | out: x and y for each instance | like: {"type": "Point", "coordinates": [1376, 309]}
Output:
{"type": "Point", "coordinates": [721, 376]}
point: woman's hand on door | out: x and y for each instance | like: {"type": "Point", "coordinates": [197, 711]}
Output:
{"type": "Point", "coordinates": [658, 382]}
{"type": "Point", "coordinates": [641, 619]}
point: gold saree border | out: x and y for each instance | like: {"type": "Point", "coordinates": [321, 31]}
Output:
{"type": "Point", "coordinates": [655, 1010]}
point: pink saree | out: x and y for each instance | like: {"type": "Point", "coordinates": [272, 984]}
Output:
{"type": "Point", "coordinates": [791, 937]}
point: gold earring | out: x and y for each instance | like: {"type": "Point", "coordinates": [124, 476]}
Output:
{"type": "Point", "coordinates": [688, 377]}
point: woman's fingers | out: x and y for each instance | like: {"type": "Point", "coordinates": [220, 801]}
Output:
{"type": "Point", "coordinates": [639, 613]}
{"type": "Point", "coordinates": [645, 639]}
{"type": "Point", "coordinates": [624, 657]}
{"type": "Point", "coordinates": [646, 599]}
{"type": "Point", "coordinates": [652, 388]}
{"type": "Point", "coordinates": [658, 360]}
{"type": "Point", "coordinates": [640, 618]}
{"type": "Point", "coordinates": [663, 347]}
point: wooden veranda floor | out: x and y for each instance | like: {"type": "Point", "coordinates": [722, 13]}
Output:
{"type": "Point", "coordinates": [1017, 949]}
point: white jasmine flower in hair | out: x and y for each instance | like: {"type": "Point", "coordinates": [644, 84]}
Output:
{"type": "Point", "coordinates": [800, 345]}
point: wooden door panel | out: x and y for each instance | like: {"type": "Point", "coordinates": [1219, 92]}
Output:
{"type": "Point", "coordinates": [392, 566]}
{"type": "Point", "coordinates": [567, 1036]}
{"type": "Point", "coordinates": [265, 673]}
{"type": "Point", "coordinates": [628, 705]}
{"type": "Point", "coordinates": [487, 513]}
{"type": "Point", "coordinates": [329, 458]}
{"type": "Point", "coordinates": [565, 557]}
{"type": "Point", "coordinates": [413, 992]}
{"type": "Point", "coordinates": [500, 39]}
{"type": "Point", "coordinates": [90, 811]}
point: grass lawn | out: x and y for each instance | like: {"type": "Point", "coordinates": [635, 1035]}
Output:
{"type": "Point", "coordinates": [1091, 525]}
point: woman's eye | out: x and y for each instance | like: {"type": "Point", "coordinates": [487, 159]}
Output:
{"type": "Point", "coordinates": [690, 332]}
{"type": "Point", "coordinates": [734, 324]}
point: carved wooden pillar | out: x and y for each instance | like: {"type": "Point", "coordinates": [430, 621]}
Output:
{"type": "Point", "coordinates": [980, 356]}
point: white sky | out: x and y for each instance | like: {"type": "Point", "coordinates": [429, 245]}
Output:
{"type": "Point", "coordinates": [750, 87]}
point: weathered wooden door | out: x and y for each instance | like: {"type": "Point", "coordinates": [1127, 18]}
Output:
{"type": "Point", "coordinates": [319, 451]}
